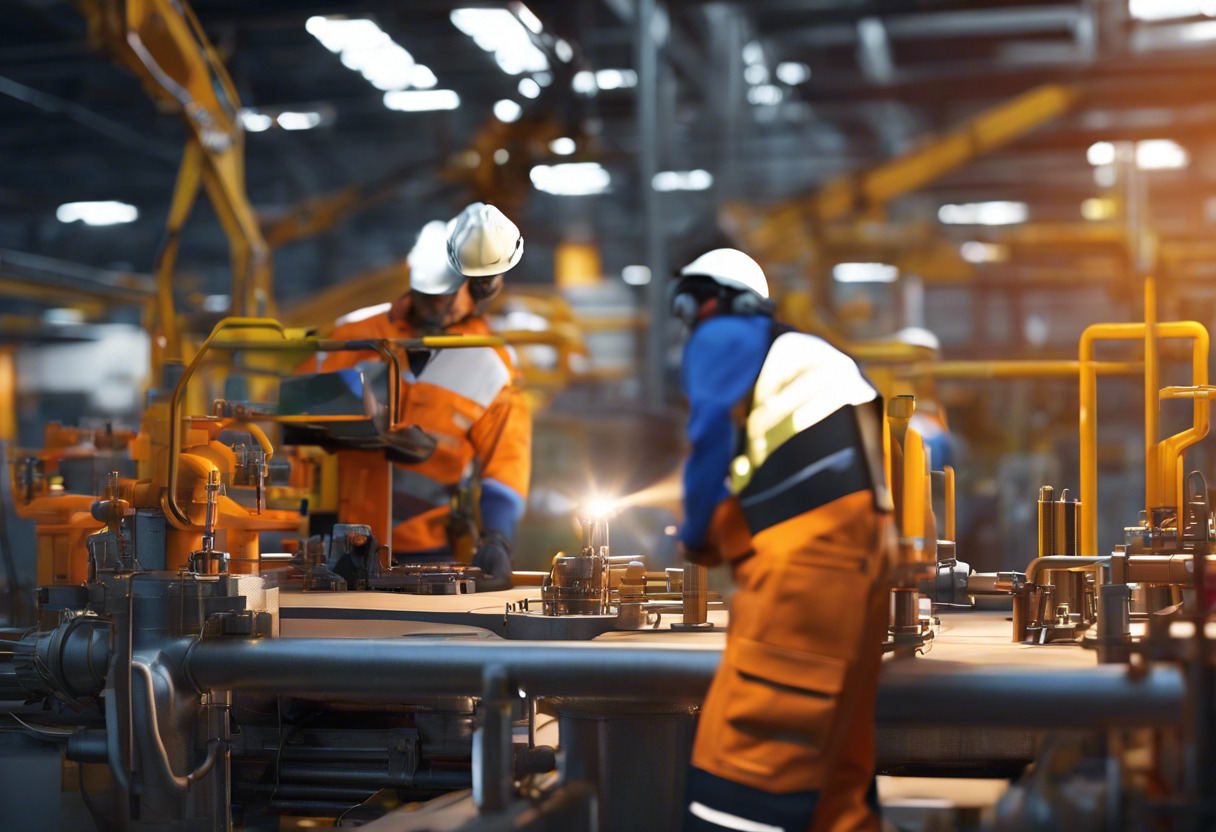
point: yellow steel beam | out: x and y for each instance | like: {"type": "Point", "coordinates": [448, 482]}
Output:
{"type": "Point", "coordinates": [780, 232]}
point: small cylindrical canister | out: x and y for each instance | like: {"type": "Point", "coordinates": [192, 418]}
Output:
{"type": "Point", "coordinates": [1066, 511]}
{"type": "Point", "coordinates": [1047, 519]}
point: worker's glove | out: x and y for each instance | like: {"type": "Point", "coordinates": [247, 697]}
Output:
{"type": "Point", "coordinates": [493, 558]}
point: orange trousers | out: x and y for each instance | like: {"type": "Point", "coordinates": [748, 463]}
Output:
{"type": "Point", "coordinates": [791, 708]}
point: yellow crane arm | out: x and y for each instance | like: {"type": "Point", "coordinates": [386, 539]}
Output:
{"type": "Point", "coordinates": [162, 42]}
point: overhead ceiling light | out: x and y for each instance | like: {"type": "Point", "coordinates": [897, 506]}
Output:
{"type": "Point", "coordinates": [583, 82]}
{"type": "Point", "coordinates": [865, 273]}
{"type": "Point", "coordinates": [1193, 32]}
{"type": "Point", "coordinates": [298, 121]}
{"type": "Point", "coordinates": [1100, 153]}
{"type": "Point", "coordinates": [1160, 154]}
{"type": "Point", "coordinates": [1170, 9]}
{"type": "Point", "coordinates": [1150, 154]}
{"type": "Point", "coordinates": [105, 212]}
{"type": "Point", "coordinates": [974, 251]}
{"type": "Point", "coordinates": [507, 110]}
{"type": "Point", "coordinates": [765, 95]}
{"type": "Point", "coordinates": [528, 18]}
{"type": "Point", "coordinates": [415, 101]}
{"type": "Point", "coordinates": [501, 156]}
{"type": "Point", "coordinates": [563, 146]}
{"type": "Point", "coordinates": [367, 49]}
{"type": "Point", "coordinates": [1097, 209]}
{"type": "Point", "coordinates": [615, 79]}
{"type": "Point", "coordinates": [63, 316]}
{"type": "Point", "coordinates": [636, 275]}
{"type": "Point", "coordinates": [753, 53]}
{"type": "Point", "coordinates": [682, 180]}
{"type": "Point", "coordinates": [528, 88]}
{"type": "Point", "coordinates": [255, 122]}
{"type": "Point", "coordinates": [563, 50]}
{"type": "Point", "coordinates": [984, 213]}
{"type": "Point", "coordinates": [338, 34]}
{"type": "Point", "coordinates": [793, 73]}
{"type": "Point", "coordinates": [421, 77]}
{"type": "Point", "coordinates": [501, 33]}
{"type": "Point", "coordinates": [755, 74]}
{"type": "Point", "coordinates": [571, 178]}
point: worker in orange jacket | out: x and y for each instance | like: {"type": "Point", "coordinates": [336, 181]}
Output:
{"type": "Point", "coordinates": [784, 483]}
{"type": "Point", "coordinates": [463, 397]}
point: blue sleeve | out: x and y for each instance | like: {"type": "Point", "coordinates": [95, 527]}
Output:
{"type": "Point", "coordinates": [721, 363]}
{"type": "Point", "coordinates": [501, 507]}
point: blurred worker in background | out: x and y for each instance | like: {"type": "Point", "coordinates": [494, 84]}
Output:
{"type": "Point", "coordinates": [929, 420]}
{"type": "Point", "coordinates": [785, 484]}
{"type": "Point", "coordinates": [465, 398]}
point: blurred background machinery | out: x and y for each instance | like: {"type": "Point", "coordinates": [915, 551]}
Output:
{"type": "Point", "coordinates": [959, 194]}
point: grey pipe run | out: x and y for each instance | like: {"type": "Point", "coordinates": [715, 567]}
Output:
{"type": "Point", "coordinates": [394, 670]}
{"type": "Point", "coordinates": [916, 692]}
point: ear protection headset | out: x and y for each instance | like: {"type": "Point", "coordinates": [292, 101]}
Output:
{"type": "Point", "coordinates": [692, 291]}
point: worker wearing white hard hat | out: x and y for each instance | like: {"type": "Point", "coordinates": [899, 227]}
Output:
{"type": "Point", "coordinates": [784, 482]}
{"type": "Point", "coordinates": [465, 397]}
{"type": "Point", "coordinates": [482, 244]}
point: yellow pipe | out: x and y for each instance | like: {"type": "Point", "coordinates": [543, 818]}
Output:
{"type": "Point", "coordinates": [949, 472]}
{"type": "Point", "coordinates": [1062, 368]}
{"type": "Point", "coordinates": [1152, 407]}
{"type": "Point", "coordinates": [1172, 450]}
{"type": "Point", "coordinates": [1088, 409]}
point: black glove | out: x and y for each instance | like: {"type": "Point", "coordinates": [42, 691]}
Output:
{"type": "Point", "coordinates": [493, 558]}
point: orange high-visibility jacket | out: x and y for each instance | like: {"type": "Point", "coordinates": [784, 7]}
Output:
{"type": "Point", "coordinates": [466, 398]}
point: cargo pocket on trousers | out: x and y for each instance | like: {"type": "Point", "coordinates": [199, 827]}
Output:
{"type": "Point", "coordinates": [784, 695]}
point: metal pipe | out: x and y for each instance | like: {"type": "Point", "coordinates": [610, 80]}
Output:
{"type": "Point", "coordinates": [1070, 562]}
{"type": "Point", "coordinates": [1152, 383]}
{"type": "Point", "coordinates": [948, 471]}
{"type": "Point", "coordinates": [958, 694]}
{"type": "Point", "coordinates": [386, 668]}
{"type": "Point", "coordinates": [1171, 448]}
{"type": "Point", "coordinates": [1065, 369]}
{"type": "Point", "coordinates": [374, 777]}
{"type": "Point", "coordinates": [493, 751]}
{"type": "Point", "coordinates": [1047, 522]}
{"type": "Point", "coordinates": [923, 693]}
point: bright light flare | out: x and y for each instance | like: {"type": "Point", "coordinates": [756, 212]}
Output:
{"type": "Point", "coordinates": [417, 101]}
{"type": "Point", "coordinates": [504, 35]}
{"type": "Point", "coordinates": [984, 213]}
{"type": "Point", "coordinates": [571, 178]}
{"type": "Point", "coordinates": [865, 273]}
{"type": "Point", "coordinates": [1170, 9]}
{"type": "Point", "coordinates": [105, 212]}
{"type": "Point", "coordinates": [597, 508]}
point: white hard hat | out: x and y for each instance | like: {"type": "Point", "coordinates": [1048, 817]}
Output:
{"type": "Point", "coordinates": [430, 272]}
{"type": "Point", "coordinates": [731, 268]}
{"type": "Point", "coordinates": [918, 336]}
{"type": "Point", "coordinates": [483, 242]}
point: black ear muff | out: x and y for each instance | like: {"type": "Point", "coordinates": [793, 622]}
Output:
{"type": "Point", "coordinates": [684, 307]}
{"type": "Point", "coordinates": [745, 303]}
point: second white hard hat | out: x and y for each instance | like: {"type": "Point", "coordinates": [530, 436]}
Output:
{"type": "Point", "coordinates": [731, 268]}
{"type": "Point", "coordinates": [430, 272]}
{"type": "Point", "coordinates": [483, 242]}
